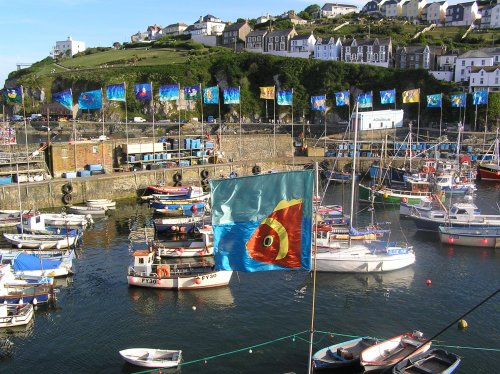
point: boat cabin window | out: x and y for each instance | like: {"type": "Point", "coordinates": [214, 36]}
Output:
{"type": "Point", "coordinates": [461, 211]}
{"type": "Point", "coordinates": [141, 260]}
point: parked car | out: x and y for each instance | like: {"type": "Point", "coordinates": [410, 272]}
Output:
{"type": "Point", "coordinates": [139, 119]}
{"type": "Point", "coordinates": [16, 118]}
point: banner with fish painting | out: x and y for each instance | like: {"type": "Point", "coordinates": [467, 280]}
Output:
{"type": "Point", "coordinates": [342, 98]}
{"type": "Point", "coordinates": [211, 95]}
{"type": "Point", "coordinates": [318, 102]}
{"type": "Point", "coordinates": [480, 98]}
{"type": "Point", "coordinates": [365, 100]}
{"type": "Point", "coordinates": [231, 95]}
{"type": "Point", "coordinates": [169, 92]}
{"type": "Point", "coordinates": [115, 92]}
{"type": "Point", "coordinates": [90, 100]}
{"type": "Point", "coordinates": [263, 222]}
{"type": "Point", "coordinates": [285, 97]}
{"type": "Point", "coordinates": [143, 91]}
{"type": "Point", "coordinates": [65, 98]}
{"type": "Point", "coordinates": [458, 100]}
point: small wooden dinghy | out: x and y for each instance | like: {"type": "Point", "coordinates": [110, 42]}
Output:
{"type": "Point", "coordinates": [101, 203]}
{"type": "Point", "coordinates": [341, 355]}
{"type": "Point", "coordinates": [152, 358]}
{"type": "Point", "coordinates": [85, 210]}
{"type": "Point", "coordinates": [434, 361]}
{"type": "Point", "coordinates": [15, 314]}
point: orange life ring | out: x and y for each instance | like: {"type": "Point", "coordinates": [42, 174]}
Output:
{"type": "Point", "coordinates": [425, 169]}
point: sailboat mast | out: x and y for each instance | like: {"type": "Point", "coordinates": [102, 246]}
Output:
{"type": "Point", "coordinates": [354, 159]}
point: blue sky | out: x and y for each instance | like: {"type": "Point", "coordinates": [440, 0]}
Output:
{"type": "Point", "coordinates": [30, 28]}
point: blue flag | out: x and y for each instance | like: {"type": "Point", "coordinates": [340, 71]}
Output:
{"type": "Point", "coordinates": [143, 91]}
{"type": "Point", "coordinates": [211, 95]}
{"type": "Point", "coordinates": [169, 92]}
{"type": "Point", "coordinates": [65, 98]}
{"type": "Point", "coordinates": [388, 97]}
{"type": "Point", "coordinates": [192, 92]}
{"type": "Point", "coordinates": [365, 100]}
{"type": "Point", "coordinates": [232, 95]}
{"type": "Point", "coordinates": [342, 98]}
{"type": "Point", "coordinates": [479, 97]}
{"type": "Point", "coordinates": [458, 100]}
{"type": "Point", "coordinates": [318, 102]}
{"type": "Point", "coordinates": [434, 101]}
{"type": "Point", "coordinates": [115, 92]}
{"type": "Point", "coordinates": [263, 222]}
{"type": "Point", "coordinates": [285, 97]}
{"type": "Point", "coordinates": [90, 100]}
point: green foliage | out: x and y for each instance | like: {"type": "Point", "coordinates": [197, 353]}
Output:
{"type": "Point", "coordinates": [91, 51]}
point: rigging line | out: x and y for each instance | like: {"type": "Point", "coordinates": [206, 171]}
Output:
{"type": "Point", "coordinates": [448, 326]}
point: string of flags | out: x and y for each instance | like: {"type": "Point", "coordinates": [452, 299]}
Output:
{"type": "Point", "coordinates": [232, 95]}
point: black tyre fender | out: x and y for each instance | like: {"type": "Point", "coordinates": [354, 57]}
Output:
{"type": "Point", "coordinates": [177, 177]}
{"type": "Point", "coordinates": [204, 182]}
{"type": "Point", "coordinates": [67, 188]}
{"type": "Point", "coordinates": [178, 184]}
{"type": "Point", "coordinates": [256, 169]}
{"type": "Point", "coordinates": [67, 198]}
{"type": "Point", "coordinates": [204, 173]}
{"type": "Point", "coordinates": [205, 187]}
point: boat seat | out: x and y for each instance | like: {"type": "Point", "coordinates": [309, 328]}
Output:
{"type": "Point", "coordinates": [335, 355]}
{"type": "Point", "coordinates": [419, 369]}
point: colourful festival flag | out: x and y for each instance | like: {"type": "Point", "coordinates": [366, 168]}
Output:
{"type": "Point", "coordinates": [231, 95]}
{"type": "Point", "coordinates": [267, 93]}
{"type": "Point", "coordinates": [434, 101]}
{"type": "Point", "coordinates": [211, 95]}
{"type": "Point", "coordinates": [342, 98]}
{"type": "Point", "coordinates": [411, 96]}
{"type": "Point", "coordinates": [65, 98]}
{"type": "Point", "coordinates": [169, 92]}
{"type": "Point", "coordinates": [365, 100]}
{"type": "Point", "coordinates": [143, 91]}
{"type": "Point", "coordinates": [115, 92]}
{"type": "Point", "coordinates": [480, 98]}
{"type": "Point", "coordinates": [263, 222]}
{"type": "Point", "coordinates": [13, 95]}
{"type": "Point", "coordinates": [285, 97]}
{"type": "Point", "coordinates": [90, 100]}
{"type": "Point", "coordinates": [192, 92]}
{"type": "Point", "coordinates": [388, 96]}
{"type": "Point", "coordinates": [458, 100]}
{"type": "Point", "coordinates": [318, 102]}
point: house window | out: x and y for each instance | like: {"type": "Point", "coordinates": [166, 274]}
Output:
{"type": "Point", "coordinates": [95, 148]}
{"type": "Point", "coordinates": [282, 46]}
{"type": "Point", "coordinates": [463, 62]}
{"type": "Point", "coordinates": [64, 153]}
{"type": "Point", "coordinates": [481, 81]}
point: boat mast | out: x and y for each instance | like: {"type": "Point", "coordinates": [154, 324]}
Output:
{"type": "Point", "coordinates": [354, 159]}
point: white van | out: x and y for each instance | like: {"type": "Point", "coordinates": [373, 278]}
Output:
{"type": "Point", "coordinates": [139, 119]}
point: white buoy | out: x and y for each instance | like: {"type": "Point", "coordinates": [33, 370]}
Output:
{"type": "Point", "coordinates": [21, 302]}
{"type": "Point", "coordinates": [194, 307]}
{"type": "Point", "coordinates": [35, 301]}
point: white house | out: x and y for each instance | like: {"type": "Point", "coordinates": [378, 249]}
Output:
{"type": "Point", "coordinates": [379, 119]}
{"type": "Point", "coordinates": [463, 14]}
{"type": "Point", "coordinates": [495, 16]}
{"type": "Point", "coordinates": [155, 32]}
{"type": "Point", "coordinates": [302, 45]}
{"type": "Point", "coordinates": [175, 29]}
{"type": "Point", "coordinates": [68, 47]}
{"type": "Point", "coordinates": [327, 49]}
{"type": "Point", "coordinates": [445, 66]}
{"type": "Point", "coordinates": [412, 9]}
{"type": "Point", "coordinates": [485, 78]}
{"type": "Point", "coordinates": [264, 19]}
{"type": "Point", "coordinates": [477, 58]}
{"type": "Point", "coordinates": [490, 16]}
{"type": "Point", "coordinates": [392, 8]}
{"type": "Point", "coordinates": [208, 25]}
{"type": "Point", "coordinates": [435, 12]}
{"type": "Point", "coordinates": [331, 10]}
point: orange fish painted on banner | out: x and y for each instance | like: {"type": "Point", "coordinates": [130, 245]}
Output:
{"type": "Point", "coordinates": [277, 240]}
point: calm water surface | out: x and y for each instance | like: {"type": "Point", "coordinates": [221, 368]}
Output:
{"type": "Point", "coordinates": [97, 314]}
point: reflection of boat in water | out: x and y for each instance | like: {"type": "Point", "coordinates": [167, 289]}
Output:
{"type": "Point", "coordinates": [361, 281]}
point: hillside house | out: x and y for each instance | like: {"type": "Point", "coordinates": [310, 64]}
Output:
{"type": "Point", "coordinates": [67, 48]}
{"type": "Point", "coordinates": [377, 52]}
{"type": "Point", "coordinates": [490, 16]}
{"type": "Point", "coordinates": [155, 32]}
{"type": "Point", "coordinates": [392, 8]}
{"type": "Point", "coordinates": [234, 36]}
{"type": "Point", "coordinates": [478, 58]}
{"type": "Point", "coordinates": [485, 78]}
{"type": "Point", "coordinates": [331, 10]}
{"type": "Point", "coordinates": [461, 14]}
{"type": "Point", "coordinates": [208, 25]}
{"type": "Point", "coordinates": [412, 9]}
{"type": "Point", "coordinates": [255, 41]}
{"type": "Point", "coordinates": [435, 13]}
{"type": "Point", "coordinates": [327, 49]}
{"type": "Point", "coordinates": [302, 45]}
{"type": "Point", "coordinates": [175, 29]}
{"type": "Point", "coordinates": [277, 42]}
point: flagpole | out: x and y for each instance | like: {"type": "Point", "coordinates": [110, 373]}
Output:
{"type": "Point", "coordinates": [126, 112]}
{"type": "Point", "coordinates": [465, 108]}
{"type": "Point", "coordinates": [220, 122]}
{"type": "Point", "coordinates": [25, 132]}
{"type": "Point", "coordinates": [239, 91]}
{"type": "Point", "coordinates": [103, 139]}
{"type": "Point", "coordinates": [486, 116]}
{"type": "Point", "coordinates": [179, 113]}
{"type": "Point", "coordinates": [274, 114]}
{"type": "Point", "coordinates": [475, 118]}
{"type": "Point", "coordinates": [202, 127]}
{"type": "Point", "coordinates": [441, 115]}
{"type": "Point", "coordinates": [395, 99]}
{"type": "Point", "coordinates": [293, 141]}
{"type": "Point", "coordinates": [153, 110]}
{"type": "Point", "coordinates": [372, 100]}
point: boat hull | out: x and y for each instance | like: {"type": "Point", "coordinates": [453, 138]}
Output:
{"type": "Point", "coordinates": [15, 315]}
{"type": "Point", "coordinates": [188, 282]}
{"type": "Point", "coordinates": [479, 237]}
{"type": "Point", "coordinates": [432, 361]}
{"type": "Point", "coordinates": [489, 172]}
{"type": "Point", "coordinates": [390, 196]}
{"type": "Point", "coordinates": [341, 356]}
{"type": "Point", "coordinates": [152, 358]}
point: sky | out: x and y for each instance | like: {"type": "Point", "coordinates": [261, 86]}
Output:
{"type": "Point", "coordinates": [32, 27]}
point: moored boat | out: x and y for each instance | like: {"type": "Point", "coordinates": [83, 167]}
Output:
{"type": "Point", "coordinates": [40, 241]}
{"type": "Point", "coordinates": [176, 225]}
{"type": "Point", "coordinates": [391, 196]}
{"type": "Point", "coordinates": [145, 272]}
{"type": "Point", "coordinates": [343, 355]}
{"type": "Point", "coordinates": [151, 357]}
{"type": "Point", "coordinates": [88, 210]}
{"type": "Point", "coordinates": [200, 246]}
{"type": "Point", "coordinates": [17, 289]}
{"type": "Point", "coordinates": [434, 361]}
{"type": "Point", "coordinates": [39, 264]}
{"type": "Point", "coordinates": [15, 314]}
{"type": "Point", "coordinates": [102, 203]}
{"type": "Point", "coordinates": [485, 237]}
{"type": "Point", "coordinates": [389, 352]}
{"type": "Point", "coordinates": [67, 220]}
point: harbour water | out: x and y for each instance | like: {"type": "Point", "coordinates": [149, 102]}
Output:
{"type": "Point", "coordinates": [260, 323]}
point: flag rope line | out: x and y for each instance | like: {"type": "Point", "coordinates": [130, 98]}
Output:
{"type": "Point", "coordinates": [297, 336]}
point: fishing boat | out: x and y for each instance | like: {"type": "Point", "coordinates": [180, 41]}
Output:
{"type": "Point", "coordinates": [39, 264]}
{"type": "Point", "coordinates": [34, 223]}
{"type": "Point", "coordinates": [199, 246]}
{"type": "Point", "coordinates": [343, 355]}
{"type": "Point", "coordinates": [102, 203]}
{"type": "Point", "coordinates": [413, 194]}
{"type": "Point", "coordinates": [174, 192]}
{"type": "Point", "coordinates": [176, 225]}
{"type": "Point", "coordinates": [15, 314]}
{"type": "Point", "coordinates": [88, 210]}
{"type": "Point", "coordinates": [484, 237]}
{"type": "Point", "coordinates": [451, 184]}
{"type": "Point", "coordinates": [386, 354]}
{"type": "Point", "coordinates": [488, 168]}
{"type": "Point", "coordinates": [434, 361]}
{"type": "Point", "coordinates": [194, 206]}
{"type": "Point", "coordinates": [460, 215]}
{"type": "Point", "coordinates": [67, 220]}
{"type": "Point", "coordinates": [145, 272]}
{"type": "Point", "coordinates": [152, 358]}
{"type": "Point", "coordinates": [40, 241]}
{"type": "Point", "coordinates": [17, 289]}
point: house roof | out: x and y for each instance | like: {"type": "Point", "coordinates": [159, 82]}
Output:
{"type": "Point", "coordinates": [235, 26]}
{"type": "Point", "coordinates": [412, 49]}
{"type": "Point", "coordinates": [489, 69]}
{"type": "Point", "coordinates": [302, 37]}
{"type": "Point", "coordinates": [257, 33]}
{"type": "Point", "coordinates": [154, 27]}
{"type": "Point", "coordinates": [325, 41]}
{"type": "Point", "coordinates": [330, 6]}
{"type": "Point", "coordinates": [284, 32]}
{"type": "Point", "coordinates": [475, 54]}
{"type": "Point", "coordinates": [177, 24]}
